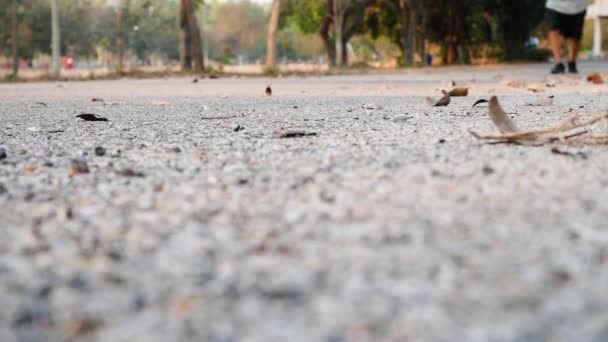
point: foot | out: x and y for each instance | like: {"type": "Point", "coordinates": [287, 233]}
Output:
{"type": "Point", "coordinates": [572, 68]}
{"type": "Point", "coordinates": [558, 69]}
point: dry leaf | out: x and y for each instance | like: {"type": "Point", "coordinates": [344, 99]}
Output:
{"type": "Point", "coordinates": [459, 92]}
{"type": "Point", "coordinates": [536, 87]}
{"type": "Point", "coordinates": [500, 118]}
{"type": "Point", "coordinates": [286, 134]}
{"type": "Point", "coordinates": [572, 127]}
{"type": "Point", "coordinates": [30, 169]}
{"type": "Point", "coordinates": [91, 117]}
{"type": "Point", "coordinates": [83, 327]}
{"type": "Point", "coordinates": [512, 84]}
{"type": "Point", "coordinates": [79, 166]}
{"type": "Point", "coordinates": [595, 78]}
{"type": "Point", "coordinates": [479, 102]}
{"type": "Point", "coordinates": [442, 102]}
{"type": "Point", "coordinates": [556, 150]}
{"type": "Point", "coordinates": [544, 102]}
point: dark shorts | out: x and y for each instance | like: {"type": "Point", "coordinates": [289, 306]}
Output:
{"type": "Point", "coordinates": [569, 25]}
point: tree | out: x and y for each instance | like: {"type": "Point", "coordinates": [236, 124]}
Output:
{"type": "Point", "coordinates": [271, 40]}
{"type": "Point", "coordinates": [191, 44]}
{"type": "Point", "coordinates": [56, 40]}
{"type": "Point", "coordinates": [14, 38]}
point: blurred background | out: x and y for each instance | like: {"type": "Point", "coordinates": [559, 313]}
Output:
{"type": "Point", "coordinates": [96, 38]}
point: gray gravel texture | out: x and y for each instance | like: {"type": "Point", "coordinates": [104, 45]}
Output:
{"type": "Point", "coordinates": [188, 229]}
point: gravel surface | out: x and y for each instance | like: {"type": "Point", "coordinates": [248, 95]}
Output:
{"type": "Point", "coordinates": [339, 209]}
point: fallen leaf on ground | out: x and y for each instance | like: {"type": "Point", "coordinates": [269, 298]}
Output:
{"type": "Point", "coordinates": [91, 117]}
{"type": "Point", "coordinates": [371, 106]}
{"type": "Point", "coordinates": [78, 166]}
{"type": "Point", "coordinates": [459, 92]}
{"type": "Point", "coordinates": [286, 134]}
{"type": "Point", "coordinates": [195, 80]}
{"type": "Point", "coordinates": [159, 103]}
{"type": "Point", "coordinates": [129, 172]}
{"type": "Point", "coordinates": [83, 327]}
{"type": "Point", "coordinates": [573, 127]}
{"type": "Point", "coordinates": [442, 102]}
{"type": "Point", "coordinates": [30, 169]}
{"type": "Point", "coordinates": [544, 102]}
{"type": "Point", "coordinates": [268, 91]}
{"type": "Point", "coordinates": [401, 118]}
{"type": "Point", "coordinates": [96, 99]}
{"type": "Point", "coordinates": [556, 150]}
{"type": "Point", "coordinates": [42, 104]}
{"type": "Point", "coordinates": [480, 101]}
{"type": "Point", "coordinates": [512, 84]}
{"type": "Point", "coordinates": [536, 87]}
{"type": "Point", "coordinates": [595, 78]}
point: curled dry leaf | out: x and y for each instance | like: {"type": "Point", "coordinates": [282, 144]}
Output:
{"type": "Point", "coordinates": [500, 118]}
{"type": "Point", "coordinates": [512, 84]}
{"type": "Point", "coordinates": [91, 117]}
{"type": "Point", "coordinates": [459, 92]}
{"type": "Point", "coordinates": [480, 101]}
{"type": "Point", "coordinates": [442, 102]}
{"type": "Point", "coordinates": [286, 134]}
{"type": "Point", "coordinates": [536, 87]}
{"type": "Point", "coordinates": [595, 78]}
{"type": "Point", "coordinates": [573, 127]}
{"type": "Point", "coordinates": [159, 103]}
{"type": "Point", "coordinates": [544, 102]}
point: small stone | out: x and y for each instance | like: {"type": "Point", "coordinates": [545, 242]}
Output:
{"type": "Point", "coordinates": [175, 149]}
{"type": "Point", "coordinates": [2, 153]}
{"type": "Point", "coordinates": [441, 141]}
{"type": "Point", "coordinates": [238, 128]}
{"type": "Point", "coordinates": [100, 151]}
{"type": "Point", "coordinates": [487, 170]}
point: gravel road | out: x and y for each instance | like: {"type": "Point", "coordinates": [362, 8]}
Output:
{"type": "Point", "coordinates": [185, 217]}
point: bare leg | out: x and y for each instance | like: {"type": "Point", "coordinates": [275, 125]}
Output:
{"type": "Point", "coordinates": [575, 47]}
{"type": "Point", "coordinates": [556, 45]}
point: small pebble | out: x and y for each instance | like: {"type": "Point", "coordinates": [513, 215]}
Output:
{"type": "Point", "coordinates": [100, 151]}
{"type": "Point", "coordinates": [2, 153]}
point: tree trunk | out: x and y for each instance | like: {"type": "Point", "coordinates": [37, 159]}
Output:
{"type": "Point", "coordinates": [405, 18]}
{"type": "Point", "coordinates": [324, 34]}
{"type": "Point", "coordinates": [119, 40]}
{"type": "Point", "coordinates": [56, 40]}
{"type": "Point", "coordinates": [338, 29]}
{"type": "Point", "coordinates": [14, 39]}
{"type": "Point", "coordinates": [271, 40]}
{"type": "Point", "coordinates": [195, 35]}
{"type": "Point", "coordinates": [410, 41]}
{"type": "Point", "coordinates": [185, 59]}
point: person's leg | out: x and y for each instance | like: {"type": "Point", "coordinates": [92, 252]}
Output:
{"type": "Point", "coordinates": [556, 39]}
{"type": "Point", "coordinates": [575, 47]}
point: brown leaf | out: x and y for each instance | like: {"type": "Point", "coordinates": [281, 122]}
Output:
{"type": "Point", "coordinates": [512, 84]}
{"type": "Point", "coordinates": [500, 118]}
{"type": "Point", "coordinates": [30, 168]}
{"type": "Point", "coordinates": [442, 102]}
{"type": "Point", "coordinates": [544, 102]}
{"type": "Point", "coordinates": [83, 327]}
{"type": "Point", "coordinates": [480, 101]}
{"type": "Point", "coordinates": [286, 134]}
{"type": "Point", "coordinates": [159, 103]}
{"type": "Point", "coordinates": [536, 87]}
{"type": "Point", "coordinates": [459, 92]}
{"type": "Point", "coordinates": [595, 78]}
{"type": "Point", "coordinates": [78, 166]}
{"type": "Point", "coordinates": [91, 117]}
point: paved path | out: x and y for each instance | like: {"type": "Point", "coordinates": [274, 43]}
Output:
{"type": "Point", "coordinates": [187, 228]}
